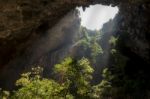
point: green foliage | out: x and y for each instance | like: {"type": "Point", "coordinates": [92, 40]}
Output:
{"type": "Point", "coordinates": [70, 68]}
{"type": "Point", "coordinates": [96, 49]}
{"type": "Point", "coordinates": [90, 42]}
{"type": "Point", "coordinates": [64, 69]}
{"type": "Point", "coordinates": [105, 85]}
{"type": "Point", "coordinates": [4, 94]}
{"type": "Point", "coordinates": [104, 89]}
{"type": "Point", "coordinates": [79, 73]}
{"type": "Point", "coordinates": [120, 82]}
{"type": "Point", "coordinates": [73, 82]}
{"type": "Point", "coordinates": [113, 40]}
{"type": "Point", "coordinates": [113, 51]}
{"type": "Point", "coordinates": [33, 86]}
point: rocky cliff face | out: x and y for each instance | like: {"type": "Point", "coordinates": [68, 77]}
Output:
{"type": "Point", "coordinates": [132, 28]}
{"type": "Point", "coordinates": [23, 24]}
{"type": "Point", "coordinates": [134, 41]}
{"type": "Point", "coordinates": [48, 47]}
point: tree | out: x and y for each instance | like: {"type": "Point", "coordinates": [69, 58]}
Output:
{"type": "Point", "coordinates": [78, 73]}
{"type": "Point", "coordinates": [73, 82]}
{"type": "Point", "coordinates": [90, 42]}
{"type": "Point", "coordinates": [33, 86]}
{"type": "Point", "coordinates": [104, 88]}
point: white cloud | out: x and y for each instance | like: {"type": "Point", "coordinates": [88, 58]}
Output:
{"type": "Point", "coordinates": [96, 15]}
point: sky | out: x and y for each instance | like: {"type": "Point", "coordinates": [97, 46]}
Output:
{"type": "Point", "coordinates": [96, 15]}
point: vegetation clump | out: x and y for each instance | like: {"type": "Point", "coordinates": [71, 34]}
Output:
{"type": "Point", "coordinates": [90, 43]}
{"type": "Point", "coordinates": [72, 82]}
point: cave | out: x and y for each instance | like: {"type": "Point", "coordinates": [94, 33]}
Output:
{"type": "Point", "coordinates": [29, 36]}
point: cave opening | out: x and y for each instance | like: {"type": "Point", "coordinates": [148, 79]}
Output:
{"type": "Point", "coordinates": [65, 37]}
{"type": "Point", "coordinates": [94, 16]}
{"type": "Point", "coordinates": [100, 22]}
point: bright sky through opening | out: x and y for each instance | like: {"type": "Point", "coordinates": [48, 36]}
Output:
{"type": "Point", "coordinates": [96, 15]}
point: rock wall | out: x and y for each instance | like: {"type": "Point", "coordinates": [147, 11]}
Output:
{"type": "Point", "coordinates": [134, 42]}
{"type": "Point", "coordinates": [48, 49]}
